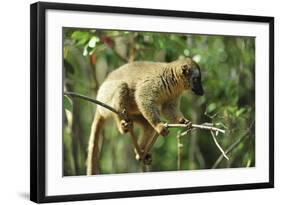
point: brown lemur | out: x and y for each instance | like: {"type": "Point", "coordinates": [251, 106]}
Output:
{"type": "Point", "coordinates": [144, 90]}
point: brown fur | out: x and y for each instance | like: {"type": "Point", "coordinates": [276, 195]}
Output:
{"type": "Point", "coordinates": [144, 89]}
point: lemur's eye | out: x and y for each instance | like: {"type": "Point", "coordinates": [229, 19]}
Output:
{"type": "Point", "coordinates": [185, 69]}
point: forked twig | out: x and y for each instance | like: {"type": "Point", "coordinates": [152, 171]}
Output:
{"type": "Point", "coordinates": [206, 126]}
{"type": "Point", "coordinates": [234, 145]}
{"type": "Point", "coordinates": [219, 147]}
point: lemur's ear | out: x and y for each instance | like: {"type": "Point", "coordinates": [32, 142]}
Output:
{"type": "Point", "coordinates": [185, 69]}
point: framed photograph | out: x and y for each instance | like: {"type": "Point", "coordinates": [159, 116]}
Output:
{"type": "Point", "coordinates": [129, 102]}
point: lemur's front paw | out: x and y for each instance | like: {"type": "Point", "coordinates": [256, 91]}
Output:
{"type": "Point", "coordinates": [147, 160]}
{"type": "Point", "coordinates": [183, 120]}
{"type": "Point", "coordinates": [125, 126]}
{"type": "Point", "coordinates": [162, 129]}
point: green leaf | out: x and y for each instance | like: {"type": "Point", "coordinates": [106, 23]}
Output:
{"type": "Point", "coordinates": [92, 43]}
{"type": "Point", "coordinates": [77, 35]}
{"type": "Point", "coordinates": [211, 107]}
{"type": "Point", "coordinates": [65, 51]}
{"type": "Point", "coordinates": [67, 103]}
{"type": "Point", "coordinates": [85, 51]}
{"type": "Point", "coordinates": [81, 37]}
{"type": "Point", "coordinates": [240, 111]}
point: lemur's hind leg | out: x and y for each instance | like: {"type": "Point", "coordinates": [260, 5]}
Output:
{"type": "Point", "coordinates": [121, 99]}
{"type": "Point", "coordinates": [147, 132]}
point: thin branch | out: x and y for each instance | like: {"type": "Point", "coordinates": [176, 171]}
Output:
{"type": "Point", "coordinates": [233, 146]}
{"type": "Point", "coordinates": [187, 131]}
{"type": "Point", "coordinates": [206, 126]}
{"type": "Point", "coordinates": [203, 126]}
{"type": "Point", "coordinates": [93, 101]}
{"type": "Point", "coordinates": [180, 148]}
{"type": "Point", "coordinates": [132, 51]}
{"type": "Point", "coordinates": [219, 147]}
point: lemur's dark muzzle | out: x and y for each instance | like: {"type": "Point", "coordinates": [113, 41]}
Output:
{"type": "Point", "coordinates": [198, 89]}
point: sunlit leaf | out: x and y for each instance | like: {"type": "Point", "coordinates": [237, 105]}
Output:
{"type": "Point", "coordinates": [80, 36]}
{"type": "Point", "coordinates": [93, 41]}
{"type": "Point", "coordinates": [211, 107]}
{"type": "Point", "coordinates": [240, 111]}
{"type": "Point", "coordinates": [186, 52]}
{"type": "Point", "coordinates": [197, 58]}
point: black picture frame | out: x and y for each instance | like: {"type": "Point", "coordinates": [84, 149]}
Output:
{"type": "Point", "coordinates": [38, 100]}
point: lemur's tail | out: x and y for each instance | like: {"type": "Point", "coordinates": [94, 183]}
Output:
{"type": "Point", "coordinates": [93, 146]}
{"type": "Point", "coordinates": [92, 162]}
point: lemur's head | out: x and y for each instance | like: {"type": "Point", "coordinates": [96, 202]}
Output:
{"type": "Point", "coordinates": [191, 71]}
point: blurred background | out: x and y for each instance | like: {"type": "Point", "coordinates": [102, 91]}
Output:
{"type": "Point", "coordinates": [228, 69]}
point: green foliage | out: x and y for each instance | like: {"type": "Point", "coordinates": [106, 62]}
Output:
{"type": "Point", "coordinates": [227, 65]}
{"type": "Point", "coordinates": [67, 103]}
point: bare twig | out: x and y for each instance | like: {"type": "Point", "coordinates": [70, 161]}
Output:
{"type": "Point", "coordinates": [132, 51]}
{"type": "Point", "coordinates": [233, 146]}
{"type": "Point", "coordinates": [203, 126]}
{"type": "Point", "coordinates": [180, 148]}
{"type": "Point", "coordinates": [206, 126]}
{"type": "Point", "coordinates": [93, 101]}
{"type": "Point", "coordinates": [219, 147]}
